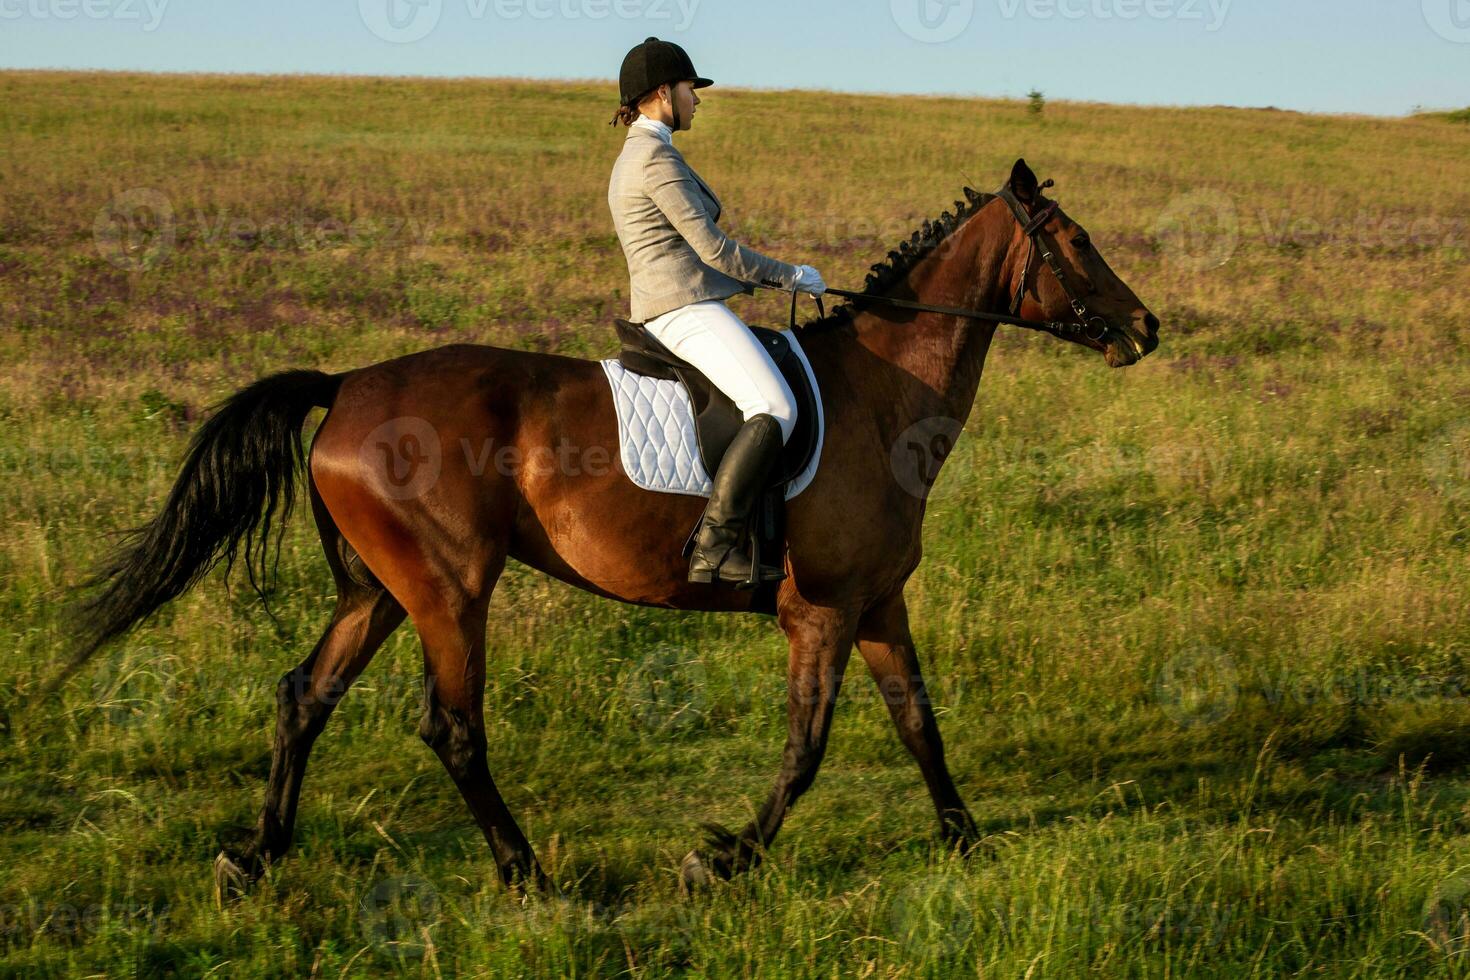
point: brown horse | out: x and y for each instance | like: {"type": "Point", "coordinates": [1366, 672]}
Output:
{"type": "Point", "coordinates": [430, 471]}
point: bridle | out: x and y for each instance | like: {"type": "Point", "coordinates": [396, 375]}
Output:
{"type": "Point", "coordinates": [1031, 228]}
{"type": "Point", "coordinates": [1089, 326]}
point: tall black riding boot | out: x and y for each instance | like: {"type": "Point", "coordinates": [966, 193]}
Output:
{"type": "Point", "coordinates": [720, 549]}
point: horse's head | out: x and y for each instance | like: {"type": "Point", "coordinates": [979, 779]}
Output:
{"type": "Point", "coordinates": [1079, 286]}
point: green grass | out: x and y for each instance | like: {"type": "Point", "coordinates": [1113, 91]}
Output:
{"type": "Point", "coordinates": [1198, 631]}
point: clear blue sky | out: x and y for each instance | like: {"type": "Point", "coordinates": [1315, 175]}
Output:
{"type": "Point", "coordinates": [1366, 56]}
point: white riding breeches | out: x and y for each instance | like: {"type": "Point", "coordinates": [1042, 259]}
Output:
{"type": "Point", "coordinates": [715, 340]}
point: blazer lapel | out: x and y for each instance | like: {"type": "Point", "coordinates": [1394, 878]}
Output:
{"type": "Point", "coordinates": [708, 190]}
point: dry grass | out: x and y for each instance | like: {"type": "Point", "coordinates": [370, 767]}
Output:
{"type": "Point", "coordinates": [1199, 629]}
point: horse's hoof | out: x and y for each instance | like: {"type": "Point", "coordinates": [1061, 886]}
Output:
{"type": "Point", "coordinates": [960, 835]}
{"type": "Point", "coordinates": [233, 876]}
{"type": "Point", "coordinates": [693, 875]}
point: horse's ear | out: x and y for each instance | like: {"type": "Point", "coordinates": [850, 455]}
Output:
{"type": "Point", "coordinates": [1023, 183]}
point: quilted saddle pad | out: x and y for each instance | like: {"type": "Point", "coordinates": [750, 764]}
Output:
{"type": "Point", "coordinates": [659, 447]}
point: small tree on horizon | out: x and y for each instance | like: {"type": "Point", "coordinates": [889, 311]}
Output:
{"type": "Point", "coordinates": [1038, 102]}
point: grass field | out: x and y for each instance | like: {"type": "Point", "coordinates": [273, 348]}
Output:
{"type": "Point", "coordinates": [1198, 630]}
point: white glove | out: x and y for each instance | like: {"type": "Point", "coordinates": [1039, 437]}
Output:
{"type": "Point", "coordinates": [809, 280]}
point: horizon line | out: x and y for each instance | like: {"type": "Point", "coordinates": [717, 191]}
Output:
{"type": "Point", "coordinates": [1411, 113]}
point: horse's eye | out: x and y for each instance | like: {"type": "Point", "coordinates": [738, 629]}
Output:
{"type": "Point", "coordinates": [1082, 243]}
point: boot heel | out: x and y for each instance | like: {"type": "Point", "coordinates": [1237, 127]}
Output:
{"type": "Point", "coordinates": [753, 581]}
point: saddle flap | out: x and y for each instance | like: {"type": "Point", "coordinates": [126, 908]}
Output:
{"type": "Point", "coordinates": [775, 342]}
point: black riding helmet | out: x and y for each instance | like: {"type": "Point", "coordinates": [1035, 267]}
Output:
{"type": "Point", "coordinates": [654, 63]}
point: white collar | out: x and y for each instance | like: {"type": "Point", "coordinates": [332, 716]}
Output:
{"type": "Point", "coordinates": [656, 127]}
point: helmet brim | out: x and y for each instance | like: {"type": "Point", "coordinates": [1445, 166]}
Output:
{"type": "Point", "coordinates": [701, 82]}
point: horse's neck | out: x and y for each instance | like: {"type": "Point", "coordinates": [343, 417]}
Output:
{"type": "Point", "coordinates": [934, 362]}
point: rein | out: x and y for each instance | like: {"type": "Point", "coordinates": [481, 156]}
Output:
{"type": "Point", "coordinates": [1088, 326]}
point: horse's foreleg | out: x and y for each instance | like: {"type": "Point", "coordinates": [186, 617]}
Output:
{"type": "Point", "coordinates": [454, 727]}
{"type": "Point", "coordinates": [364, 617]}
{"type": "Point", "coordinates": [820, 644]}
{"type": "Point", "coordinates": [886, 644]}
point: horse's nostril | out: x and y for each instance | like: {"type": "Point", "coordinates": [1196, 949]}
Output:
{"type": "Point", "coordinates": [1151, 323]}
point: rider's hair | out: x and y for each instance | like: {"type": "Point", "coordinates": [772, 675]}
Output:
{"type": "Point", "coordinates": [628, 114]}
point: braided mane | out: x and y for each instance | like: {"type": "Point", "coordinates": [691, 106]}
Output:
{"type": "Point", "coordinates": [900, 261]}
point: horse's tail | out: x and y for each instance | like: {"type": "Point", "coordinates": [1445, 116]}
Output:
{"type": "Point", "coordinates": [236, 482]}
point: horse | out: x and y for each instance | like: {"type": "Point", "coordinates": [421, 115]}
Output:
{"type": "Point", "coordinates": [412, 529]}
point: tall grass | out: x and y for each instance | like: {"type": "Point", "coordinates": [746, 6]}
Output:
{"type": "Point", "coordinates": [1198, 630]}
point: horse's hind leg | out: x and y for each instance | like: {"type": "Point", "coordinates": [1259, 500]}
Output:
{"type": "Point", "coordinates": [453, 635]}
{"type": "Point", "coordinates": [365, 615]}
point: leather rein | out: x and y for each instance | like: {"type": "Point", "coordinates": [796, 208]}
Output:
{"type": "Point", "coordinates": [1088, 325]}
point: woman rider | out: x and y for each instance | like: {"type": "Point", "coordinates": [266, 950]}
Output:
{"type": "Point", "coordinates": [682, 268]}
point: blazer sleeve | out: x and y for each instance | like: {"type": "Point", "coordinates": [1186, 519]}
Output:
{"type": "Point", "coordinates": [669, 184]}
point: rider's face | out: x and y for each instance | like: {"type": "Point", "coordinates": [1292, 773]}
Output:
{"type": "Point", "coordinates": [682, 95]}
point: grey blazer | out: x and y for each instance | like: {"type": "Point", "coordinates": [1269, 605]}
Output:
{"type": "Point", "coordinates": [665, 216]}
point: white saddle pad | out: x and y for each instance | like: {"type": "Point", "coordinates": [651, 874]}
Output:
{"type": "Point", "coordinates": [660, 449]}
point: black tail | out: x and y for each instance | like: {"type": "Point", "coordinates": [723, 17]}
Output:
{"type": "Point", "coordinates": [237, 479]}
